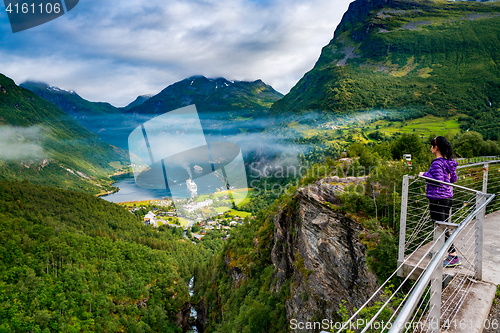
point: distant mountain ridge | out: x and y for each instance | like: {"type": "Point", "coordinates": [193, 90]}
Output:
{"type": "Point", "coordinates": [428, 56]}
{"type": "Point", "coordinates": [207, 94]}
{"type": "Point", "coordinates": [211, 95]}
{"type": "Point", "coordinates": [138, 101]}
{"type": "Point", "coordinates": [69, 101]}
{"type": "Point", "coordinates": [214, 98]}
{"type": "Point", "coordinates": [235, 103]}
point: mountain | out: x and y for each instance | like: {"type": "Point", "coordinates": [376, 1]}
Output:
{"type": "Point", "coordinates": [208, 95]}
{"type": "Point", "coordinates": [211, 95]}
{"type": "Point", "coordinates": [73, 104]}
{"type": "Point", "coordinates": [226, 100]}
{"type": "Point", "coordinates": [42, 144]}
{"type": "Point", "coordinates": [429, 56]}
{"type": "Point", "coordinates": [101, 118]}
{"type": "Point", "coordinates": [69, 101]}
{"type": "Point", "coordinates": [138, 101]}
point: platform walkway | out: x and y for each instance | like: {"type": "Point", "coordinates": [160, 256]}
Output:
{"type": "Point", "coordinates": [473, 315]}
{"type": "Point", "coordinates": [491, 253]}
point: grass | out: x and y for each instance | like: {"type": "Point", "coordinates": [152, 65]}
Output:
{"type": "Point", "coordinates": [239, 213]}
{"type": "Point", "coordinates": [136, 203]}
{"type": "Point", "coordinates": [358, 130]}
{"type": "Point", "coordinates": [232, 212]}
{"type": "Point", "coordinates": [421, 126]}
{"type": "Point", "coordinates": [244, 201]}
{"type": "Point", "coordinates": [221, 209]}
{"type": "Point", "coordinates": [238, 194]}
{"type": "Point", "coordinates": [183, 222]}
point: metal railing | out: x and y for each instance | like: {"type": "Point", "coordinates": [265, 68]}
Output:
{"type": "Point", "coordinates": [479, 159]}
{"type": "Point", "coordinates": [467, 239]}
{"type": "Point", "coordinates": [430, 295]}
{"type": "Point", "coordinates": [483, 176]}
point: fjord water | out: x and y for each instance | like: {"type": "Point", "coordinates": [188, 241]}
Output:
{"type": "Point", "coordinates": [130, 191]}
{"type": "Point", "coordinates": [247, 134]}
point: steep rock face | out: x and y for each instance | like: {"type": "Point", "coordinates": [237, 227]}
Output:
{"type": "Point", "coordinates": [182, 318]}
{"type": "Point", "coordinates": [237, 275]}
{"type": "Point", "coordinates": [319, 249]}
{"type": "Point", "coordinates": [359, 11]}
{"type": "Point", "coordinates": [202, 318]}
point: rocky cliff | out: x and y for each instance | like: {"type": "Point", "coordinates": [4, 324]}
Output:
{"type": "Point", "coordinates": [318, 247]}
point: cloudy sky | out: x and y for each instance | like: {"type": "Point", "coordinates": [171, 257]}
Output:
{"type": "Point", "coordinates": [115, 50]}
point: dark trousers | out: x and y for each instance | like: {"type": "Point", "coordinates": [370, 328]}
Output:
{"type": "Point", "coordinates": [440, 211]}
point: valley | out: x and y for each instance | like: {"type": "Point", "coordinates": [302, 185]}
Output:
{"type": "Point", "coordinates": [86, 247]}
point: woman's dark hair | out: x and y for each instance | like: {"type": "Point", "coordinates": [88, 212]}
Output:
{"type": "Point", "coordinates": [444, 146]}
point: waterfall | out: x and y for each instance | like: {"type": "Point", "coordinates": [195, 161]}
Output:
{"type": "Point", "coordinates": [193, 313]}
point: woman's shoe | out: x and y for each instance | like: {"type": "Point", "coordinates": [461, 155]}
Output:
{"type": "Point", "coordinates": [452, 261]}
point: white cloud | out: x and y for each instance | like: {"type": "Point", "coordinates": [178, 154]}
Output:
{"type": "Point", "coordinates": [115, 50]}
{"type": "Point", "coordinates": [21, 143]}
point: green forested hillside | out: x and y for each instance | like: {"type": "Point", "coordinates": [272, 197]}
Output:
{"type": "Point", "coordinates": [249, 305]}
{"type": "Point", "coordinates": [437, 57]}
{"type": "Point", "coordinates": [64, 154]}
{"type": "Point", "coordinates": [71, 262]}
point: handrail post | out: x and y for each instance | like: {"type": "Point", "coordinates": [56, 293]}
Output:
{"type": "Point", "coordinates": [436, 282]}
{"type": "Point", "coordinates": [402, 224]}
{"type": "Point", "coordinates": [485, 177]}
{"type": "Point", "coordinates": [478, 251]}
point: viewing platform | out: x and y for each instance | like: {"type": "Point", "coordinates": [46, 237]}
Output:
{"type": "Point", "coordinates": [430, 297]}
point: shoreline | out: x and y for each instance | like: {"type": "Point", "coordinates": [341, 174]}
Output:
{"type": "Point", "coordinates": [108, 193]}
{"type": "Point", "coordinates": [114, 181]}
{"type": "Point", "coordinates": [121, 174]}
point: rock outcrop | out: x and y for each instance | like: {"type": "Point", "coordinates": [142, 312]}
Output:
{"type": "Point", "coordinates": [202, 318]}
{"type": "Point", "coordinates": [182, 319]}
{"type": "Point", "coordinates": [318, 247]}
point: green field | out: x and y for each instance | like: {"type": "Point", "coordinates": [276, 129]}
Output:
{"type": "Point", "coordinates": [237, 195]}
{"type": "Point", "coordinates": [359, 131]}
{"type": "Point", "coordinates": [232, 212]}
{"type": "Point", "coordinates": [183, 222]}
{"type": "Point", "coordinates": [220, 209]}
{"type": "Point", "coordinates": [421, 126]}
{"type": "Point", "coordinates": [135, 203]}
{"type": "Point", "coordinates": [239, 213]}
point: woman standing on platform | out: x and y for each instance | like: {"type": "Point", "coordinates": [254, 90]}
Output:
{"type": "Point", "coordinates": [443, 168]}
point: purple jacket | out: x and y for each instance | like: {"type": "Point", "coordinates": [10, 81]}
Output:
{"type": "Point", "coordinates": [444, 170]}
